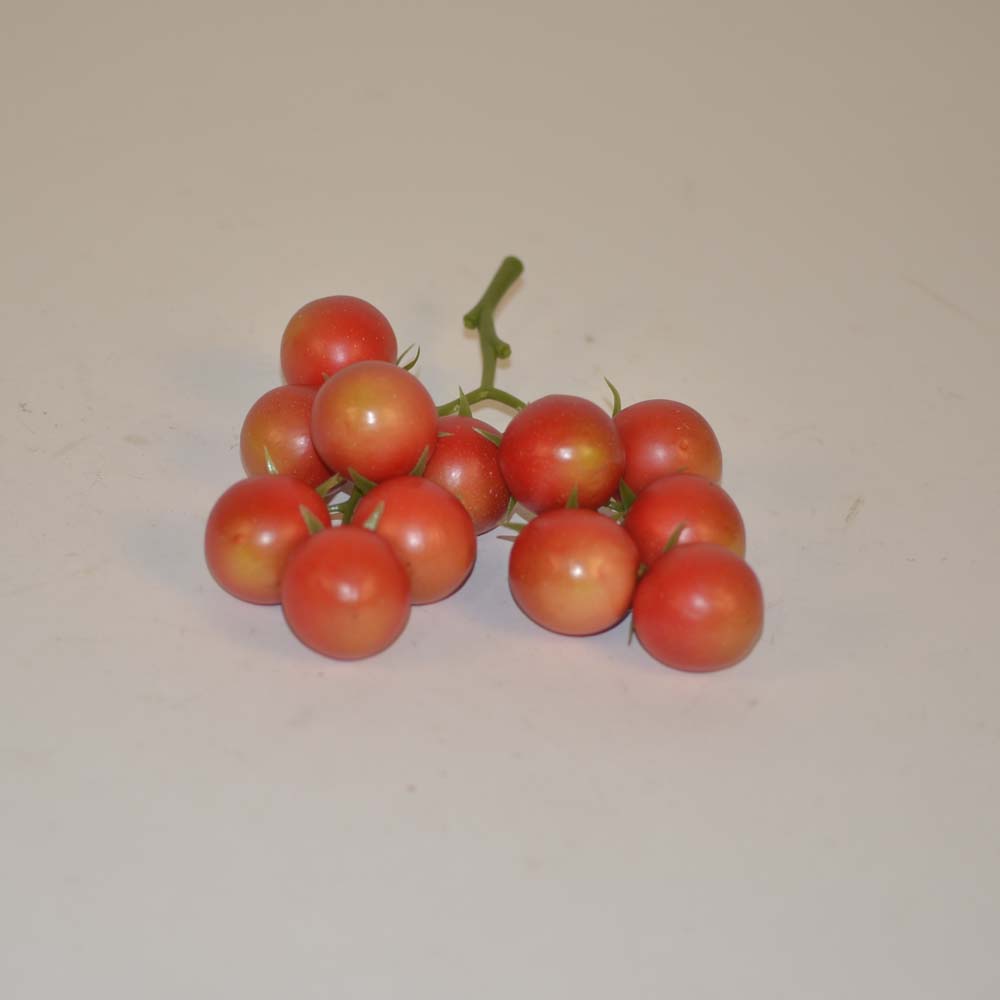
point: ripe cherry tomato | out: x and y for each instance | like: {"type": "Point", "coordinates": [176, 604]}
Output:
{"type": "Point", "coordinates": [279, 422]}
{"type": "Point", "coordinates": [375, 418]}
{"type": "Point", "coordinates": [251, 531]}
{"type": "Point", "coordinates": [699, 607]}
{"type": "Point", "coordinates": [467, 465]}
{"type": "Point", "coordinates": [429, 531]}
{"type": "Point", "coordinates": [662, 437]}
{"type": "Point", "coordinates": [329, 334]}
{"type": "Point", "coordinates": [559, 443]}
{"type": "Point", "coordinates": [574, 571]}
{"type": "Point", "coordinates": [345, 594]}
{"type": "Point", "coordinates": [705, 509]}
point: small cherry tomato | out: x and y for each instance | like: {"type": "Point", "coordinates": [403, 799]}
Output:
{"type": "Point", "coordinates": [699, 607]}
{"type": "Point", "coordinates": [345, 594]}
{"type": "Point", "coordinates": [704, 508]}
{"type": "Point", "coordinates": [662, 437]}
{"type": "Point", "coordinates": [375, 418]}
{"type": "Point", "coordinates": [278, 426]}
{"type": "Point", "coordinates": [429, 531]}
{"type": "Point", "coordinates": [251, 531]}
{"type": "Point", "coordinates": [329, 334]}
{"type": "Point", "coordinates": [557, 444]}
{"type": "Point", "coordinates": [573, 571]}
{"type": "Point", "coordinates": [467, 465]}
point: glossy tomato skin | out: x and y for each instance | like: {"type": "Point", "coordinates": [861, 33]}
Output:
{"type": "Point", "coordinates": [252, 529]}
{"type": "Point", "coordinates": [556, 444]}
{"type": "Point", "coordinates": [331, 333]}
{"type": "Point", "coordinates": [467, 465]}
{"type": "Point", "coordinates": [573, 571]}
{"type": "Point", "coordinates": [662, 437]}
{"type": "Point", "coordinates": [699, 608]}
{"type": "Point", "coordinates": [373, 417]}
{"type": "Point", "coordinates": [704, 508]}
{"type": "Point", "coordinates": [428, 530]}
{"type": "Point", "coordinates": [279, 422]}
{"type": "Point", "coordinates": [345, 594]}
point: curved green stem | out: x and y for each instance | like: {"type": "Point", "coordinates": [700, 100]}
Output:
{"type": "Point", "coordinates": [480, 317]}
{"type": "Point", "coordinates": [478, 395]}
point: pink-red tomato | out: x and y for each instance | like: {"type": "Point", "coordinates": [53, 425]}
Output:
{"type": "Point", "coordinates": [467, 465]}
{"type": "Point", "coordinates": [429, 531]}
{"type": "Point", "coordinates": [704, 508]}
{"type": "Point", "coordinates": [278, 425]}
{"type": "Point", "coordinates": [574, 571]}
{"type": "Point", "coordinates": [557, 444]}
{"type": "Point", "coordinates": [375, 418]}
{"type": "Point", "coordinates": [329, 334]}
{"type": "Point", "coordinates": [345, 594]}
{"type": "Point", "coordinates": [251, 531]}
{"type": "Point", "coordinates": [699, 607]}
{"type": "Point", "coordinates": [662, 437]}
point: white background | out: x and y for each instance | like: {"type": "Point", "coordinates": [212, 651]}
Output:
{"type": "Point", "coordinates": [785, 214]}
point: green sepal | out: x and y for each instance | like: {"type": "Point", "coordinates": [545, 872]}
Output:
{"type": "Point", "coordinates": [372, 520]}
{"type": "Point", "coordinates": [425, 455]}
{"type": "Point", "coordinates": [446, 434]}
{"type": "Point", "coordinates": [627, 494]}
{"type": "Point", "coordinates": [494, 439]}
{"type": "Point", "coordinates": [313, 523]}
{"type": "Point", "coordinates": [409, 364]}
{"type": "Point", "coordinates": [573, 501]}
{"type": "Point", "coordinates": [269, 462]}
{"type": "Point", "coordinates": [674, 538]}
{"type": "Point", "coordinates": [362, 483]}
{"type": "Point", "coordinates": [631, 630]}
{"type": "Point", "coordinates": [329, 486]}
{"type": "Point", "coordinates": [616, 399]}
{"type": "Point", "coordinates": [511, 504]}
{"type": "Point", "coordinates": [464, 410]}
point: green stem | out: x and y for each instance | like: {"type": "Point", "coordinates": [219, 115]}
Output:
{"type": "Point", "coordinates": [478, 395]}
{"type": "Point", "coordinates": [480, 317]}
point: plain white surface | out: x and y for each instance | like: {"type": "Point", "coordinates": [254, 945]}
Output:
{"type": "Point", "coordinates": [785, 214]}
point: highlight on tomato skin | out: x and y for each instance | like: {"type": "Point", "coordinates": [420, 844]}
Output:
{"type": "Point", "coordinates": [467, 465]}
{"type": "Point", "coordinates": [344, 594]}
{"type": "Point", "coordinates": [373, 418]}
{"type": "Point", "coordinates": [703, 511]}
{"type": "Point", "coordinates": [558, 446]}
{"type": "Point", "coordinates": [573, 571]}
{"type": "Point", "coordinates": [662, 437]}
{"type": "Point", "coordinates": [277, 426]}
{"type": "Point", "coordinates": [328, 334]}
{"type": "Point", "coordinates": [699, 607]}
{"type": "Point", "coordinates": [428, 530]}
{"type": "Point", "coordinates": [253, 529]}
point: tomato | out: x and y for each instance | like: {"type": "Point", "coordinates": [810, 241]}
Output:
{"type": "Point", "coordinates": [251, 531]}
{"type": "Point", "coordinates": [467, 465]}
{"type": "Point", "coordinates": [699, 607]}
{"type": "Point", "coordinates": [279, 422]}
{"type": "Point", "coordinates": [329, 334]}
{"type": "Point", "coordinates": [557, 444]}
{"type": "Point", "coordinates": [375, 418]}
{"type": "Point", "coordinates": [662, 437]}
{"type": "Point", "coordinates": [429, 531]}
{"type": "Point", "coordinates": [573, 571]}
{"type": "Point", "coordinates": [345, 594]}
{"type": "Point", "coordinates": [704, 508]}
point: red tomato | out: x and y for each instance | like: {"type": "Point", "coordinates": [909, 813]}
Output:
{"type": "Point", "coordinates": [279, 422]}
{"type": "Point", "coordinates": [699, 607]}
{"type": "Point", "coordinates": [429, 531]}
{"type": "Point", "coordinates": [251, 531]}
{"type": "Point", "coordinates": [345, 594]}
{"type": "Point", "coordinates": [467, 465]}
{"type": "Point", "coordinates": [375, 418]}
{"type": "Point", "coordinates": [662, 437]}
{"type": "Point", "coordinates": [574, 571]}
{"type": "Point", "coordinates": [559, 443]}
{"type": "Point", "coordinates": [705, 509]}
{"type": "Point", "coordinates": [329, 334]}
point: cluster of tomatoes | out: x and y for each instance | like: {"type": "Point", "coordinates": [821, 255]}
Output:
{"type": "Point", "coordinates": [363, 497]}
